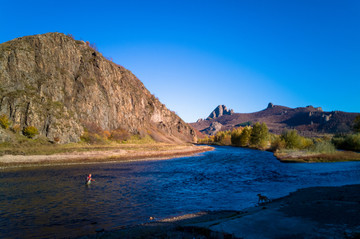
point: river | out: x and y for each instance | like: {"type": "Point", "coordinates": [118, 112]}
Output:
{"type": "Point", "coordinates": [53, 201]}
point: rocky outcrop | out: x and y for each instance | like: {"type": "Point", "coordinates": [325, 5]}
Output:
{"type": "Point", "coordinates": [61, 86]}
{"type": "Point", "coordinates": [212, 129]}
{"type": "Point", "coordinates": [270, 105]}
{"type": "Point", "coordinates": [220, 111]}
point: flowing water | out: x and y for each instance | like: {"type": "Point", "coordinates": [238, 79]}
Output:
{"type": "Point", "coordinates": [55, 202]}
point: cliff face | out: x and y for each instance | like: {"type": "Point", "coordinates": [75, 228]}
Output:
{"type": "Point", "coordinates": [219, 111]}
{"type": "Point", "coordinates": [61, 85]}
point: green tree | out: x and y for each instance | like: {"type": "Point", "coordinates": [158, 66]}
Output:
{"type": "Point", "coordinates": [236, 135]}
{"type": "Point", "coordinates": [244, 139]}
{"type": "Point", "coordinates": [259, 135]}
{"type": "Point", "coordinates": [223, 137]}
{"type": "Point", "coordinates": [219, 136]}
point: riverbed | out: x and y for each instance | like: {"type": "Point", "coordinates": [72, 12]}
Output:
{"type": "Point", "coordinates": [55, 202]}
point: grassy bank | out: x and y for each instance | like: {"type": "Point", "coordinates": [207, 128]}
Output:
{"type": "Point", "coordinates": [42, 147]}
{"type": "Point", "coordinates": [299, 156]}
{"type": "Point", "coordinates": [21, 151]}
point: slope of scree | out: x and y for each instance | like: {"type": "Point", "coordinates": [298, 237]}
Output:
{"type": "Point", "coordinates": [61, 86]}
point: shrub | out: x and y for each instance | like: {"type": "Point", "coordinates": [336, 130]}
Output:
{"type": "Point", "coordinates": [292, 139]}
{"type": "Point", "coordinates": [4, 121]}
{"type": "Point", "coordinates": [30, 131]}
{"type": "Point", "coordinates": [56, 139]}
{"type": "Point", "coordinates": [338, 141]}
{"type": "Point", "coordinates": [119, 134]}
{"type": "Point", "coordinates": [91, 138]}
{"type": "Point", "coordinates": [323, 147]}
{"type": "Point", "coordinates": [92, 128]}
{"type": "Point", "coordinates": [92, 45]}
{"type": "Point", "coordinates": [278, 143]}
{"type": "Point", "coordinates": [106, 134]}
{"type": "Point", "coordinates": [306, 142]}
{"type": "Point", "coordinates": [348, 142]}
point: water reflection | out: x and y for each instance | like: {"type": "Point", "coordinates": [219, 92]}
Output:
{"type": "Point", "coordinates": [48, 201]}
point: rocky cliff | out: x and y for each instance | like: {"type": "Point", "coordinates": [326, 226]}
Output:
{"type": "Point", "coordinates": [219, 111]}
{"type": "Point", "coordinates": [61, 86]}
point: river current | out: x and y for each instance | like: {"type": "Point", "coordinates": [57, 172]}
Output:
{"type": "Point", "coordinates": [54, 202]}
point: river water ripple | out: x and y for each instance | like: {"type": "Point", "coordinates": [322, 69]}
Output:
{"type": "Point", "coordinates": [49, 202]}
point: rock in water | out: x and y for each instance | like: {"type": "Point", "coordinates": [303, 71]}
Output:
{"type": "Point", "coordinates": [61, 86]}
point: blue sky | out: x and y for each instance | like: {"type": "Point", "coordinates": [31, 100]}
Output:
{"type": "Point", "coordinates": [195, 55]}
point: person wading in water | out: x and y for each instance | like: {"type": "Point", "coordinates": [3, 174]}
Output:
{"type": "Point", "coordinates": [89, 179]}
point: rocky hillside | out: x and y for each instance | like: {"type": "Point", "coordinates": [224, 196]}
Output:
{"type": "Point", "coordinates": [309, 121]}
{"type": "Point", "coordinates": [63, 86]}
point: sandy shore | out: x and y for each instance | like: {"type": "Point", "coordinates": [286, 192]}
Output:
{"type": "Point", "coordinates": [318, 212]}
{"type": "Point", "coordinates": [118, 154]}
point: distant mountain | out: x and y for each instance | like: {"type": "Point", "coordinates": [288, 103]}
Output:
{"type": "Point", "coordinates": [309, 121]}
{"type": "Point", "coordinates": [63, 86]}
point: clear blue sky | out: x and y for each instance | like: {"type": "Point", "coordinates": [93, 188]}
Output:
{"type": "Point", "coordinates": [194, 55]}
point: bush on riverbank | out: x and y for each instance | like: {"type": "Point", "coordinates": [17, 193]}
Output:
{"type": "Point", "coordinates": [241, 136]}
{"type": "Point", "coordinates": [322, 147]}
{"type": "Point", "coordinates": [290, 139]}
{"type": "Point", "coordinates": [223, 138]}
{"type": "Point", "coordinates": [348, 142]}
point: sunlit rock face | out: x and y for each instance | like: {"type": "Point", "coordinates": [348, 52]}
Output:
{"type": "Point", "coordinates": [220, 111]}
{"type": "Point", "coordinates": [61, 85]}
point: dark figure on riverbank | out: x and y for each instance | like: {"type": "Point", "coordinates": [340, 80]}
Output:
{"type": "Point", "coordinates": [263, 198]}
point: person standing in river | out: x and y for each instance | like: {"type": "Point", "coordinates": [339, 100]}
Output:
{"type": "Point", "coordinates": [89, 179]}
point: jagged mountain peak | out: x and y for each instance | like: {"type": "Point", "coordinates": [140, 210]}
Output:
{"type": "Point", "coordinates": [220, 110]}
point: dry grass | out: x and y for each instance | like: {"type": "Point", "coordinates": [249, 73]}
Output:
{"type": "Point", "coordinates": [306, 157]}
